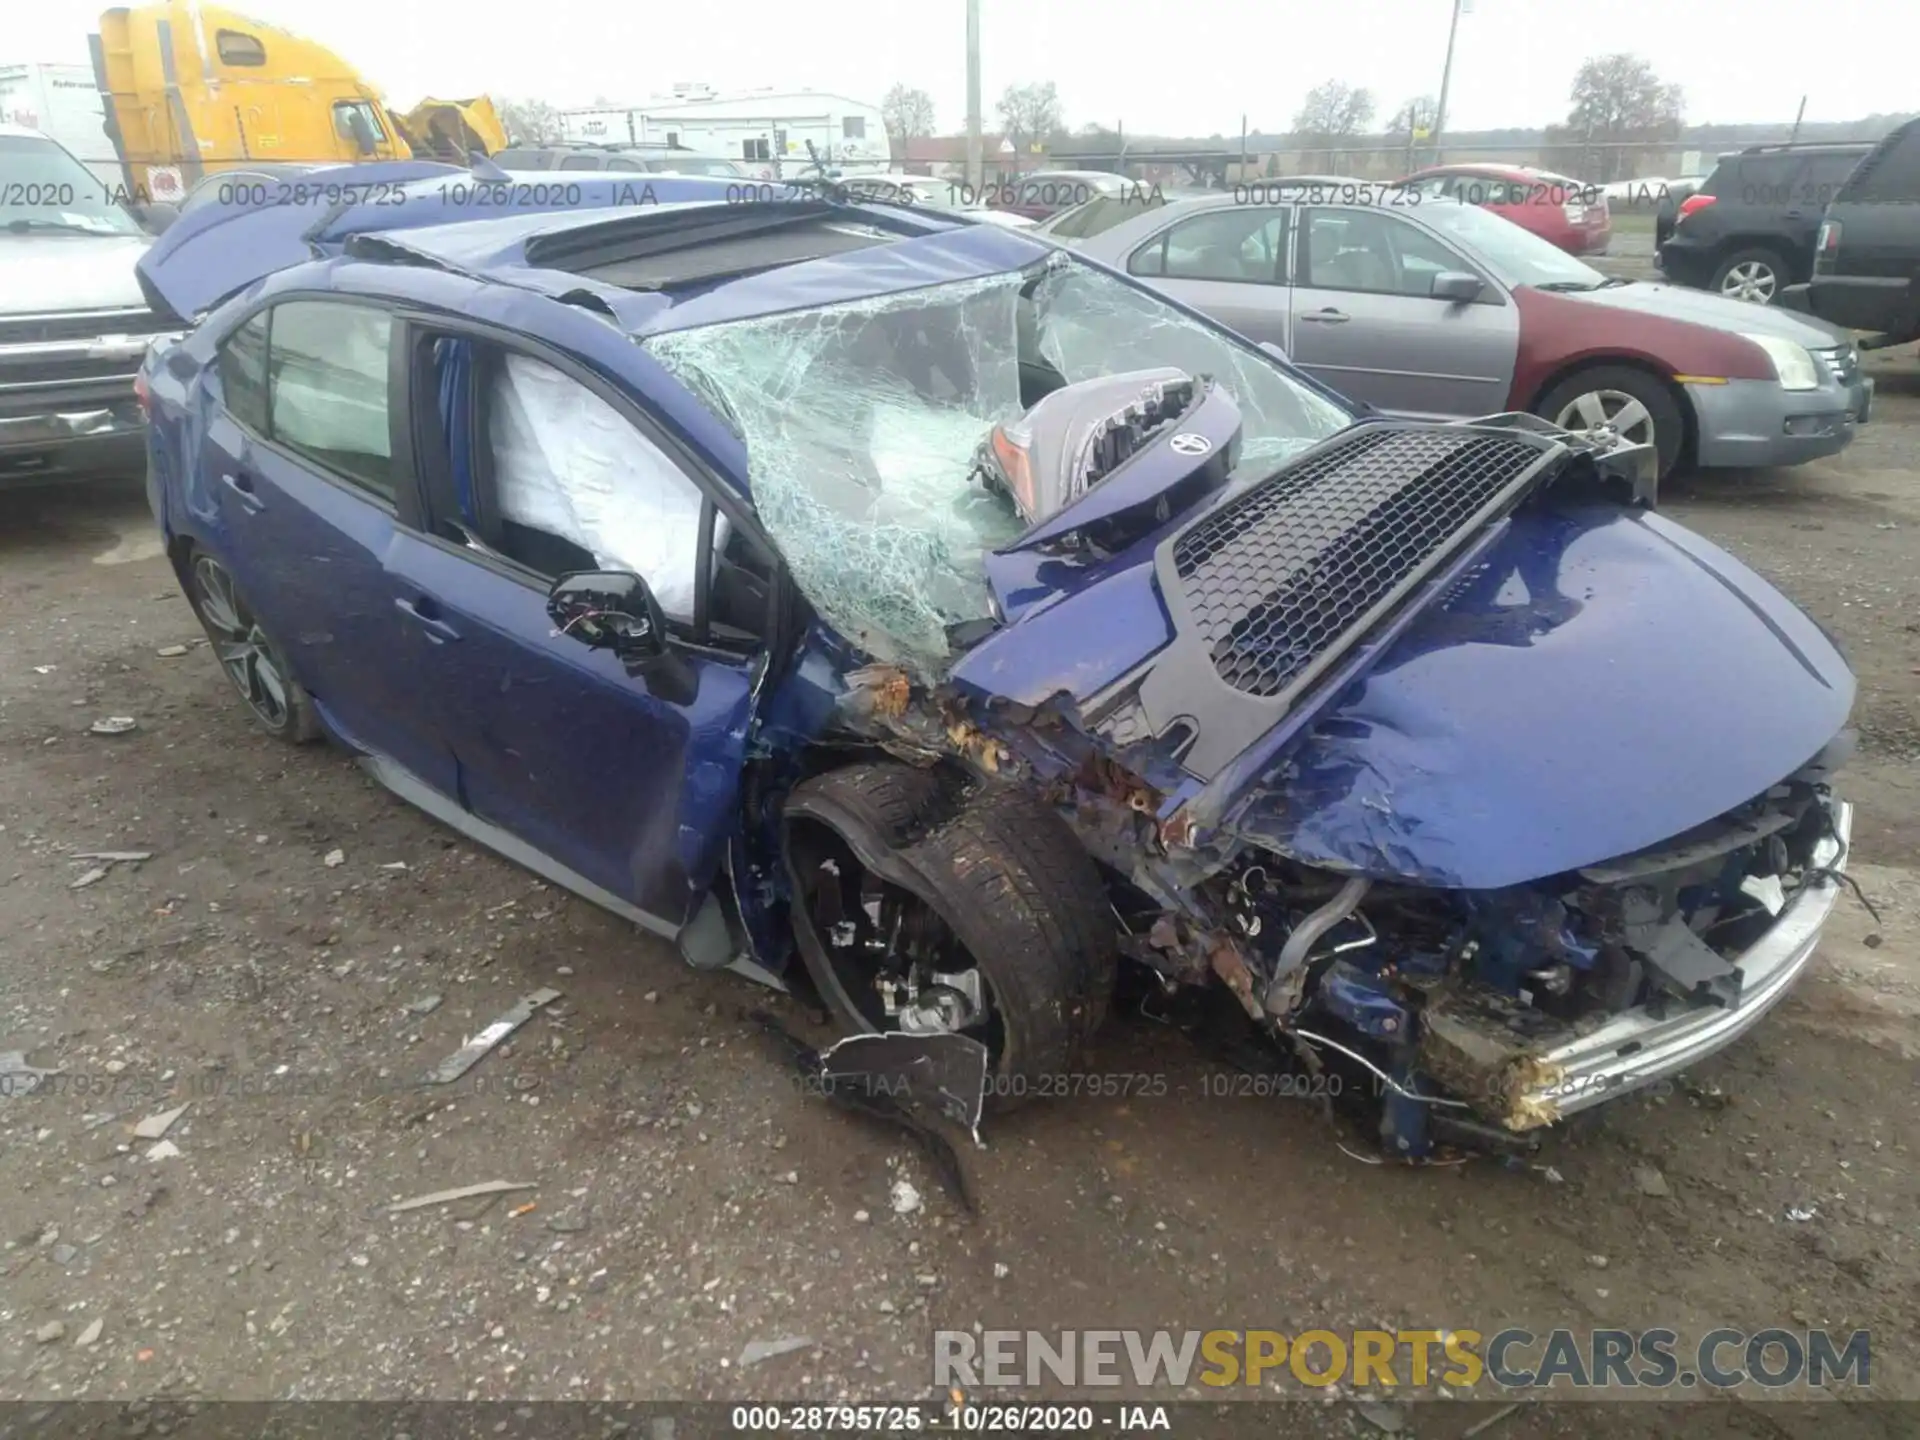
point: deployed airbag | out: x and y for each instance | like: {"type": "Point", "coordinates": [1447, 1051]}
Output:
{"type": "Point", "coordinates": [568, 464]}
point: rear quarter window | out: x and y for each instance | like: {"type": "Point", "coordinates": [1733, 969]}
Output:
{"type": "Point", "coordinates": [243, 373]}
{"type": "Point", "coordinates": [1890, 174]}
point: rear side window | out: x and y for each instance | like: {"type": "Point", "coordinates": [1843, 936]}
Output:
{"type": "Point", "coordinates": [327, 388]}
{"type": "Point", "coordinates": [1241, 244]}
{"type": "Point", "coordinates": [234, 48]}
{"type": "Point", "coordinates": [1891, 173]}
{"type": "Point", "coordinates": [243, 373]}
{"type": "Point", "coordinates": [580, 162]}
{"type": "Point", "coordinates": [1754, 179]}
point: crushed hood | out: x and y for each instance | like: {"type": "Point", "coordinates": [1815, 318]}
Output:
{"type": "Point", "coordinates": [1570, 680]}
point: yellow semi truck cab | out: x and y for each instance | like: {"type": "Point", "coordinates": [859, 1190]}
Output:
{"type": "Point", "coordinates": [193, 88]}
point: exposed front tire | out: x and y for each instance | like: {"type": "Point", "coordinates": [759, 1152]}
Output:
{"type": "Point", "coordinates": [919, 906]}
{"type": "Point", "coordinates": [248, 656]}
{"type": "Point", "coordinates": [1755, 275]}
{"type": "Point", "coordinates": [1631, 401]}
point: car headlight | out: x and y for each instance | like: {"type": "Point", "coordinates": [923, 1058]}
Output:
{"type": "Point", "coordinates": [1792, 363]}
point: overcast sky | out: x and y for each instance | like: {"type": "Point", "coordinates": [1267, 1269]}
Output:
{"type": "Point", "coordinates": [1189, 67]}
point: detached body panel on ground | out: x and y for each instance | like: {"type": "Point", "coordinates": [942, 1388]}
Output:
{"type": "Point", "coordinates": [854, 591]}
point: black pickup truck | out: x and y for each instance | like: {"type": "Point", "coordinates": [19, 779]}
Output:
{"type": "Point", "coordinates": [1866, 261]}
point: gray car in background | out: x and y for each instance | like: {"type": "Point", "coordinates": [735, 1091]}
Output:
{"type": "Point", "coordinates": [1422, 306]}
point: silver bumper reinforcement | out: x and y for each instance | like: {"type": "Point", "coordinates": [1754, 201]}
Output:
{"type": "Point", "coordinates": [1636, 1048]}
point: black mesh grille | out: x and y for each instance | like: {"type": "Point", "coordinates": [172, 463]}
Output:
{"type": "Point", "coordinates": [1276, 576]}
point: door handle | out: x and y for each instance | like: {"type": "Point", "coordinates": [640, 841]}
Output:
{"type": "Point", "coordinates": [424, 613]}
{"type": "Point", "coordinates": [1328, 316]}
{"type": "Point", "coordinates": [241, 485]}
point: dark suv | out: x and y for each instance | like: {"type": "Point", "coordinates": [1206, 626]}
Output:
{"type": "Point", "coordinates": [1748, 232]}
{"type": "Point", "coordinates": [1866, 267]}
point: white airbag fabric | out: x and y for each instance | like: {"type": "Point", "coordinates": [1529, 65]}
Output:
{"type": "Point", "coordinates": [569, 464]}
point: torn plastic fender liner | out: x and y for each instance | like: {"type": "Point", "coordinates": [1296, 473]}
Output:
{"type": "Point", "coordinates": [946, 1073]}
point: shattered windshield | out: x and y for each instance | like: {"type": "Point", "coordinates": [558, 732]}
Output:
{"type": "Point", "coordinates": [861, 422]}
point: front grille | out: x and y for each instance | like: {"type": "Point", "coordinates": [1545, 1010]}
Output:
{"type": "Point", "coordinates": [1842, 363]}
{"type": "Point", "coordinates": [1276, 576]}
{"type": "Point", "coordinates": [81, 325]}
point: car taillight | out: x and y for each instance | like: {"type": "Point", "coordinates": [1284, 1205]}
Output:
{"type": "Point", "coordinates": [1693, 203]}
{"type": "Point", "coordinates": [1829, 242]}
{"type": "Point", "coordinates": [143, 394]}
{"type": "Point", "coordinates": [1574, 211]}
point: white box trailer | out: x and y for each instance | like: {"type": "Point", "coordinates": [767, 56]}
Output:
{"type": "Point", "coordinates": [767, 131]}
{"type": "Point", "coordinates": [63, 103]}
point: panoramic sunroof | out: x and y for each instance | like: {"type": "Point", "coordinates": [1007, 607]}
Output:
{"type": "Point", "coordinates": [649, 252]}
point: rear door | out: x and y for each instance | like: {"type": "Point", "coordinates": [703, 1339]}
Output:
{"type": "Point", "coordinates": [625, 785]}
{"type": "Point", "coordinates": [312, 493]}
{"type": "Point", "coordinates": [1365, 323]}
{"type": "Point", "coordinates": [1229, 263]}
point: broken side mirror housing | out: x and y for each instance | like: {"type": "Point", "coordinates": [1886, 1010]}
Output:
{"type": "Point", "coordinates": [609, 610]}
{"type": "Point", "coordinates": [615, 610]}
{"type": "Point", "coordinates": [1457, 287]}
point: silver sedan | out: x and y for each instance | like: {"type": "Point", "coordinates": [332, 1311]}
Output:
{"type": "Point", "coordinates": [1420, 306]}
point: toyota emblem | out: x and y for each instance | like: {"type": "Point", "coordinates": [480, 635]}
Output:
{"type": "Point", "coordinates": [1188, 443]}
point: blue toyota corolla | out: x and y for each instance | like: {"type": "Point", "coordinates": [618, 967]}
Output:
{"type": "Point", "coordinates": [870, 594]}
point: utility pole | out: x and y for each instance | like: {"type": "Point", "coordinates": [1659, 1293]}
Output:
{"type": "Point", "coordinates": [974, 178]}
{"type": "Point", "coordinates": [1446, 79]}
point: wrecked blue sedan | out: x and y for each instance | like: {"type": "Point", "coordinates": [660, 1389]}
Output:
{"type": "Point", "coordinates": [906, 604]}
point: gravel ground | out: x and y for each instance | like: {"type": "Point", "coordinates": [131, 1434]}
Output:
{"type": "Point", "coordinates": [686, 1199]}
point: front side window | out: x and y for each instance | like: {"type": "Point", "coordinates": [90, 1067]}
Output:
{"type": "Point", "coordinates": [1373, 253]}
{"type": "Point", "coordinates": [358, 122]}
{"type": "Point", "coordinates": [577, 486]}
{"type": "Point", "coordinates": [327, 388]}
{"type": "Point", "coordinates": [861, 423]}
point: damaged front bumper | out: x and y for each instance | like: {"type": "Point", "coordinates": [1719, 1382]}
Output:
{"type": "Point", "coordinates": [1638, 1047]}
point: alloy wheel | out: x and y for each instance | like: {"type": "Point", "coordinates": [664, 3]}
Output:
{"type": "Point", "coordinates": [1750, 280]}
{"type": "Point", "coordinates": [1616, 409]}
{"type": "Point", "coordinates": [242, 647]}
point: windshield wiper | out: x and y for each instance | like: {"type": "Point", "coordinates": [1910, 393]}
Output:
{"type": "Point", "coordinates": [1565, 287]}
{"type": "Point", "coordinates": [1611, 281]}
{"type": "Point", "coordinates": [67, 227]}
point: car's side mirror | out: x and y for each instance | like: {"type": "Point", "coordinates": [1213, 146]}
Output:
{"type": "Point", "coordinates": [1457, 287]}
{"type": "Point", "coordinates": [614, 610]}
{"type": "Point", "coordinates": [609, 610]}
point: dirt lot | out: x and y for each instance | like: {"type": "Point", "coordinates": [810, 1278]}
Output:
{"type": "Point", "coordinates": [690, 1199]}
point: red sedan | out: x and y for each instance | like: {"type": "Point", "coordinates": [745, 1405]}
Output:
{"type": "Point", "coordinates": [1567, 213]}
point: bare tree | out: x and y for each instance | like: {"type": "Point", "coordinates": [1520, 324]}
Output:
{"type": "Point", "coordinates": [1028, 113]}
{"type": "Point", "coordinates": [1332, 111]}
{"type": "Point", "coordinates": [908, 114]}
{"type": "Point", "coordinates": [1618, 106]}
{"type": "Point", "coordinates": [529, 122]}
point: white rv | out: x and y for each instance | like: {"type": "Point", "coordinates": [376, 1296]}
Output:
{"type": "Point", "coordinates": [63, 103]}
{"type": "Point", "coordinates": [775, 134]}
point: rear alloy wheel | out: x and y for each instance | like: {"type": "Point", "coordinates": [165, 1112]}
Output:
{"type": "Point", "coordinates": [248, 654]}
{"type": "Point", "coordinates": [920, 910]}
{"type": "Point", "coordinates": [1754, 276]}
{"type": "Point", "coordinates": [1634, 404]}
